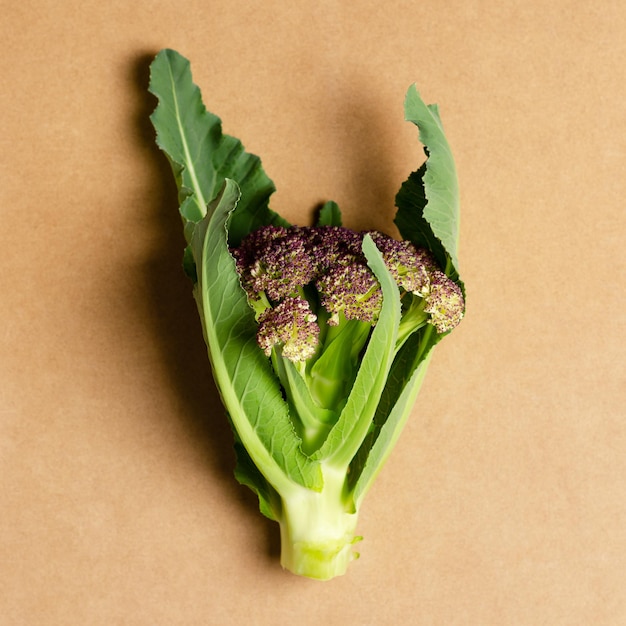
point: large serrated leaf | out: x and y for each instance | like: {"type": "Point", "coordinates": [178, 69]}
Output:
{"type": "Point", "coordinates": [428, 202]}
{"type": "Point", "coordinates": [201, 156]}
{"type": "Point", "coordinates": [249, 389]}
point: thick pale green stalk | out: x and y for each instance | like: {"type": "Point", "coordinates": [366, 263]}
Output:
{"type": "Point", "coordinates": [317, 529]}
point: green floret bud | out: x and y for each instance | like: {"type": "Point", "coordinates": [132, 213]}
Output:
{"type": "Point", "coordinates": [444, 302]}
{"type": "Point", "coordinates": [290, 326]}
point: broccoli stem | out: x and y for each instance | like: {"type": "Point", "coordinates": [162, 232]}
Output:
{"type": "Point", "coordinates": [317, 529]}
{"type": "Point", "coordinates": [413, 318]}
{"type": "Point", "coordinates": [331, 376]}
{"type": "Point", "coordinates": [312, 422]}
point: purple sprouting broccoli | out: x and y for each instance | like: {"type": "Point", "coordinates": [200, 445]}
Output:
{"type": "Point", "coordinates": [347, 320]}
{"type": "Point", "coordinates": [316, 300]}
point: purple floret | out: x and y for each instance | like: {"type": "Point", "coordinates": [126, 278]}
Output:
{"type": "Point", "coordinates": [352, 289]}
{"type": "Point", "coordinates": [278, 265]}
{"type": "Point", "coordinates": [274, 260]}
{"type": "Point", "coordinates": [444, 302]}
{"type": "Point", "coordinates": [410, 266]}
{"type": "Point", "coordinates": [292, 325]}
{"type": "Point", "coordinates": [334, 245]}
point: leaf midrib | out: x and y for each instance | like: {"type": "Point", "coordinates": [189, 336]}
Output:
{"type": "Point", "coordinates": [198, 195]}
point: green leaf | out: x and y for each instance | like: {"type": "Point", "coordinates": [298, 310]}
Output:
{"type": "Point", "coordinates": [312, 421]}
{"type": "Point", "coordinates": [248, 386]}
{"type": "Point", "coordinates": [396, 403]}
{"type": "Point", "coordinates": [248, 474]}
{"type": "Point", "coordinates": [428, 202]}
{"type": "Point", "coordinates": [329, 215]}
{"type": "Point", "coordinates": [201, 156]}
{"type": "Point", "coordinates": [346, 436]}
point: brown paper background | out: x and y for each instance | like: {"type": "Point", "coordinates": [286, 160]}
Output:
{"type": "Point", "coordinates": [504, 502]}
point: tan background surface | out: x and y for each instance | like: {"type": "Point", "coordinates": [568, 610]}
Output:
{"type": "Point", "coordinates": [504, 502]}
